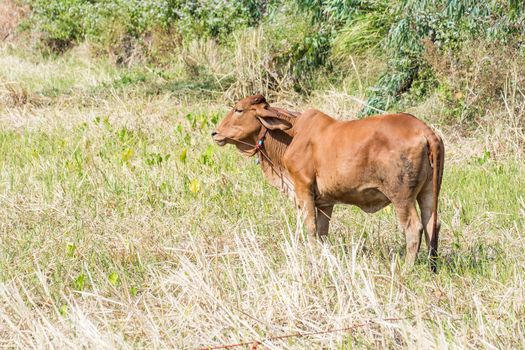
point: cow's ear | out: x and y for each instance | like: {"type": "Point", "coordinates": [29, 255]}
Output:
{"type": "Point", "coordinates": [272, 120]}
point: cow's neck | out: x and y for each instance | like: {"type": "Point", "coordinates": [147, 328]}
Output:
{"type": "Point", "coordinates": [275, 144]}
{"type": "Point", "coordinates": [271, 162]}
{"type": "Point", "coordinates": [271, 155]}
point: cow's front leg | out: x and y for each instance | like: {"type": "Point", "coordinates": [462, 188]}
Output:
{"type": "Point", "coordinates": [306, 205]}
{"type": "Point", "coordinates": [323, 215]}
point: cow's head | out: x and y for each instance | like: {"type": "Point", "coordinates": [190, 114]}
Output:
{"type": "Point", "coordinates": [244, 121]}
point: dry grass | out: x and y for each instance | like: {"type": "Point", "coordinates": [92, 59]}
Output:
{"type": "Point", "coordinates": [125, 227]}
{"type": "Point", "coordinates": [254, 70]}
{"type": "Point", "coordinates": [11, 14]}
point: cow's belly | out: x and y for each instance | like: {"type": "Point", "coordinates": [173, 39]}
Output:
{"type": "Point", "coordinates": [369, 199]}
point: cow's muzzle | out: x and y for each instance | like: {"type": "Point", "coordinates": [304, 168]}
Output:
{"type": "Point", "coordinates": [220, 140]}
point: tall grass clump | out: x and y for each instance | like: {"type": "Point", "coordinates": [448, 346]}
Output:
{"type": "Point", "coordinates": [12, 14]}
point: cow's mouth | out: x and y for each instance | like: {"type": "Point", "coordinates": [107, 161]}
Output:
{"type": "Point", "coordinates": [219, 140]}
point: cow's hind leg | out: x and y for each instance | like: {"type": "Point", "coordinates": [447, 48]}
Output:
{"type": "Point", "coordinates": [424, 200]}
{"type": "Point", "coordinates": [323, 215]}
{"type": "Point", "coordinates": [411, 224]}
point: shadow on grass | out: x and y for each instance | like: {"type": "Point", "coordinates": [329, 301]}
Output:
{"type": "Point", "coordinates": [478, 259]}
{"type": "Point", "coordinates": [204, 86]}
{"type": "Point", "coordinates": [151, 82]}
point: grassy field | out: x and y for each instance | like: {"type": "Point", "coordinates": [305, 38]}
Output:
{"type": "Point", "coordinates": [124, 226]}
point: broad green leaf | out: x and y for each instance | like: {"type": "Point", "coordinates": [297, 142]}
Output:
{"type": "Point", "coordinates": [194, 186]}
{"type": "Point", "coordinates": [183, 155]}
{"type": "Point", "coordinates": [126, 155]}
{"type": "Point", "coordinates": [70, 250]}
{"type": "Point", "coordinates": [63, 310]}
{"type": "Point", "coordinates": [113, 278]}
{"type": "Point", "coordinates": [78, 283]}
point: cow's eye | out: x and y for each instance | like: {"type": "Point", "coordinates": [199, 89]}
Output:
{"type": "Point", "coordinates": [238, 110]}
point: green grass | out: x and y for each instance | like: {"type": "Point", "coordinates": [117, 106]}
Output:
{"type": "Point", "coordinates": [125, 226]}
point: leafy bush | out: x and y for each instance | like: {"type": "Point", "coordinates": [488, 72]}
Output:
{"type": "Point", "coordinates": [60, 22]}
{"type": "Point", "coordinates": [447, 24]}
{"type": "Point", "coordinates": [65, 22]}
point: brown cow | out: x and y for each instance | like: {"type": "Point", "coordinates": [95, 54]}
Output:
{"type": "Point", "coordinates": [393, 158]}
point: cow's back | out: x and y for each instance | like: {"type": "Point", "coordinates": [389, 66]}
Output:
{"type": "Point", "coordinates": [360, 162]}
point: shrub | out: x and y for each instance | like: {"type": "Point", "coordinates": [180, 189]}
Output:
{"type": "Point", "coordinates": [59, 22]}
{"type": "Point", "coordinates": [447, 24]}
{"type": "Point", "coordinates": [65, 22]}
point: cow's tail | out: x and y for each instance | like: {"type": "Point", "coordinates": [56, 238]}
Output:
{"type": "Point", "coordinates": [437, 158]}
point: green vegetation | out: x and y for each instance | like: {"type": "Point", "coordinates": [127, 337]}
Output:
{"type": "Point", "coordinates": [420, 41]}
{"type": "Point", "coordinates": [125, 226]}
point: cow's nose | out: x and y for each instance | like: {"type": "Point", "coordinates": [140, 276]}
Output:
{"type": "Point", "coordinates": [213, 133]}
